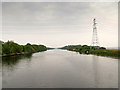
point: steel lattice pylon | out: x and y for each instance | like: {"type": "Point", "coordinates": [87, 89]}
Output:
{"type": "Point", "coordinates": [95, 42]}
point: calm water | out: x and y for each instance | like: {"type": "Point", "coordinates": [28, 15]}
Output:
{"type": "Point", "coordinates": [60, 69]}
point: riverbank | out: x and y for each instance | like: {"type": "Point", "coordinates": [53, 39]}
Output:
{"type": "Point", "coordinates": [107, 52]}
{"type": "Point", "coordinates": [15, 54]}
{"type": "Point", "coordinates": [100, 51]}
{"type": "Point", "coordinates": [11, 48]}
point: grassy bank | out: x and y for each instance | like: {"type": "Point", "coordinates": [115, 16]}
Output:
{"type": "Point", "coordinates": [101, 51]}
{"type": "Point", "coordinates": [11, 48]}
{"type": "Point", "coordinates": [109, 53]}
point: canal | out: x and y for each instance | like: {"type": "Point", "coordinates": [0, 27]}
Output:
{"type": "Point", "coordinates": [59, 69]}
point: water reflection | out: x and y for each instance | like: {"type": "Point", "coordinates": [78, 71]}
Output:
{"type": "Point", "coordinates": [11, 61]}
{"type": "Point", "coordinates": [95, 61]}
{"type": "Point", "coordinates": [59, 69]}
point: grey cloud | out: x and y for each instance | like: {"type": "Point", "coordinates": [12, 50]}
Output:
{"type": "Point", "coordinates": [41, 13]}
{"type": "Point", "coordinates": [46, 18]}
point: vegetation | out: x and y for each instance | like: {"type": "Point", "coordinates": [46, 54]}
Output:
{"type": "Point", "coordinates": [110, 53]}
{"type": "Point", "coordinates": [1, 47]}
{"type": "Point", "coordinates": [12, 48]}
{"type": "Point", "coordinates": [102, 51]}
{"type": "Point", "coordinates": [48, 48]}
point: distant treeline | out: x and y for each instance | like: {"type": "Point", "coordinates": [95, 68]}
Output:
{"type": "Point", "coordinates": [102, 51]}
{"type": "Point", "coordinates": [81, 48]}
{"type": "Point", "coordinates": [12, 48]}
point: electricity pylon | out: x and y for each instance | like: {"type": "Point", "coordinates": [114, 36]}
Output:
{"type": "Point", "coordinates": [95, 42]}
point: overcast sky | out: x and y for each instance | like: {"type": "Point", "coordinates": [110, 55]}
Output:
{"type": "Point", "coordinates": [59, 24]}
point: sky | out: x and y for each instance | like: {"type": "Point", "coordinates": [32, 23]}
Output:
{"type": "Point", "coordinates": [61, 23]}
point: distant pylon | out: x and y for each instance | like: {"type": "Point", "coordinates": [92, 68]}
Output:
{"type": "Point", "coordinates": [95, 42]}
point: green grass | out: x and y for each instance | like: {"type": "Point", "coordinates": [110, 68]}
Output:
{"type": "Point", "coordinates": [110, 53]}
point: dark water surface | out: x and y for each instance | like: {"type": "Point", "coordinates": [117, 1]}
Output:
{"type": "Point", "coordinates": [60, 69]}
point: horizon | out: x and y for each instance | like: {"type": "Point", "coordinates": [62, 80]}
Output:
{"type": "Point", "coordinates": [62, 46]}
{"type": "Point", "coordinates": [60, 24]}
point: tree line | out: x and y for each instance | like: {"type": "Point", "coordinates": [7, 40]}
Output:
{"type": "Point", "coordinates": [11, 48]}
{"type": "Point", "coordinates": [81, 48]}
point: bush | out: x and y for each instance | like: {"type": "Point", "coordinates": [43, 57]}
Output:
{"type": "Point", "coordinates": [1, 47]}
{"type": "Point", "coordinates": [28, 49]}
{"type": "Point", "coordinates": [11, 47]}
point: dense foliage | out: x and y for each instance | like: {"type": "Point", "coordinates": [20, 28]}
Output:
{"type": "Point", "coordinates": [10, 47]}
{"type": "Point", "coordinates": [81, 48]}
{"type": "Point", "coordinates": [93, 50]}
{"type": "Point", "coordinates": [1, 47]}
